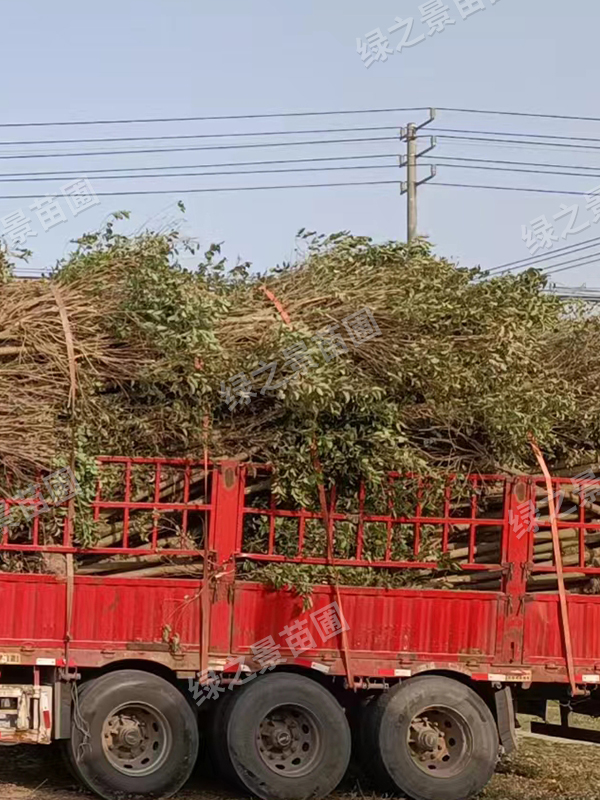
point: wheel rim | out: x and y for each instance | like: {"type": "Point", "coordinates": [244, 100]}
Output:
{"type": "Point", "coordinates": [440, 741]}
{"type": "Point", "coordinates": [289, 740]}
{"type": "Point", "coordinates": [136, 739]}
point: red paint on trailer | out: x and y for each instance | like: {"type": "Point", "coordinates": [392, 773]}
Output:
{"type": "Point", "coordinates": [392, 633]}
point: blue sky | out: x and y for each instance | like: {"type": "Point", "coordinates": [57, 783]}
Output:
{"type": "Point", "coordinates": [159, 58]}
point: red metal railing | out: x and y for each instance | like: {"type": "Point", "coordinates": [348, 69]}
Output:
{"type": "Point", "coordinates": [167, 506]}
{"type": "Point", "coordinates": [572, 516]}
{"type": "Point", "coordinates": [411, 526]}
{"type": "Point", "coordinates": [136, 501]}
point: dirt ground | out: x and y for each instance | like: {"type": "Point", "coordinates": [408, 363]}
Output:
{"type": "Point", "coordinates": [540, 770]}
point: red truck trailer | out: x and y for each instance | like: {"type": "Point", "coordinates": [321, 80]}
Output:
{"type": "Point", "coordinates": [131, 672]}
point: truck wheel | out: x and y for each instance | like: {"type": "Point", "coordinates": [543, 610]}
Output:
{"type": "Point", "coordinates": [134, 735]}
{"type": "Point", "coordinates": [217, 751]}
{"type": "Point", "coordinates": [287, 738]}
{"type": "Point", "coordinates": [432, 738]}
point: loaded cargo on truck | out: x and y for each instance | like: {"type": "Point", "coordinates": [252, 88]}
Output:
{"type": "Point", "coordinates": [316, 512]}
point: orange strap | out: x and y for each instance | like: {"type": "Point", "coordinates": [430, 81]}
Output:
{"type": "Point", "coordinates": [205, 604]}
{"type": "Point", "coordinates": [562, 592]}
{"type": "Point", "coordinates": [64, 318]}
{"type": "Point", "coordinates": [278, 305]}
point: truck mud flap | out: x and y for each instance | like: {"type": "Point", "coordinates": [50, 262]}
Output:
{"type": "Point", "coordinates": [505, 714]}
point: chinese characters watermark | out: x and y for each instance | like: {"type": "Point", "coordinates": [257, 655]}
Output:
{"type": "Point", "coordinates": [61, 486]}
{"type": "Point", "coordinates": [266, 654]}
{"type": "Point", "coordinates": [527, 514]}
{"type": "Point", "coordinates": [540, 233]}
{"type": "Point", "coordinates": [360, 326]}
{"type": "Point", "coordinates": [79, 196]}
{"type": "Point", "coordinates": [435, 14]}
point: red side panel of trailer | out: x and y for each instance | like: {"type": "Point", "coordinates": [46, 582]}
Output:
{"type": "Point", "coordinates": [489, 635]}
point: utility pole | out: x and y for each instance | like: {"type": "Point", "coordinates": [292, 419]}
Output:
{"type": "Point", "coordinates": [411, 181]}
{"type": "Point", "coordinates": [409, 187]}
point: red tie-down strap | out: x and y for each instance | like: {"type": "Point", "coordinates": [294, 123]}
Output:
{"type": "Point", "coordinates": [205, 605]}
{"type": "Point", "coordinates": [278, 305]}
{"type": "Point", "coordinates": [70, 522]}
{"type": "Point", "coordinates": [562, 592]}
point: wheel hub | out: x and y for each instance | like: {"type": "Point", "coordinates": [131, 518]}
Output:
{"type": "Point", "coordinates": [428, 739]}
{"type": "Point", "coordinates": [136, 739]}
{"type": "Point", "coordinates": [439, 741]}
{"type": "Point", "coordinates": [281, 737]}
{"type": "Point", "coordinates": [128, 733]}
{"type": "Point", "coordinates": [288, 740]}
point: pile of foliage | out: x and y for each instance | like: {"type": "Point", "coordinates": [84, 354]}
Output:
{"type": "Point", "coordinates": [463, 369]}
{"type": "Point", "coordinates": [464, 366]}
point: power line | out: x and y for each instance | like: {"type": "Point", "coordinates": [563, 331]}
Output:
{"type": "Point", "coordinates": [128, 175]}
{"type": "Point", "coordinates": [169, 137]}
{"type": "Point", "coordinates": [510, 188]}
{"type": "Point", "coordinates": [562, 266]}
{"type": "Point", "coordinates": [517, 163]}
{"type": "Point", "coordinates": [517, 114]}
{"type": "Point", "coordinates": [190, 149]}
{"type": "Point", "coordinates": [548, 270]}
{"type": "Point", "coordinates": [516, 169]}
{"type": "Point", "coordinates": [512, 133]}
{"type": "Point", "coordinates": [591, 259]}
{"type": "Point", "coordinates": [305, 186]}
{"type": "Point", "coordinates": [36, 176]}
{"type": "Point", "coordinates": [146, 120]}
{"type": "Point", "coordinates": [218, 189]}
{"type": "Point", "coordinates": [219, 172]}
{"type": "Point", "coordinates": [260, 162]}
{"type": "Point", "coordinates": [515, 141]}
{"type": "Point", "coordinates": [589, 294]}
{"type": "Point", "coordinates": [294, 114]}
{"type": "Point", "coordinates": [558, 253]}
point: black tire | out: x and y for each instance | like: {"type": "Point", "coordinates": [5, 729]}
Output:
{"type": "Point", "coordinates": [160, 757]}
{"type": "Point", "coordinates": [285, 706]}
{"type": "Point", "coordinates": [367, 748]}
{"type": "Point", "coordinates": [217, 750]}
{"type": "Point", "coordinates": [455, 758]}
